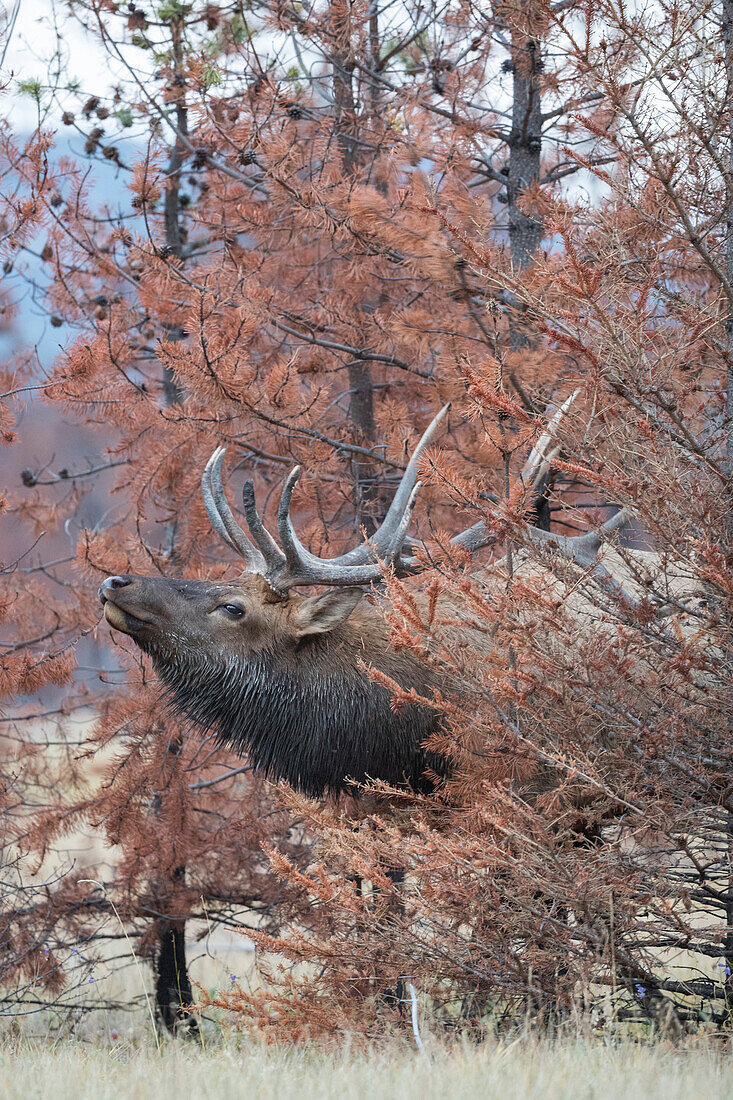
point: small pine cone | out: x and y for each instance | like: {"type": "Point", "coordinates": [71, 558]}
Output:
{"type": "Point", "coordinates": [67, 118]}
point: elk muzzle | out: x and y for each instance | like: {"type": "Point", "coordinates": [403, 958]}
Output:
{"type": "Point", "coordinates": [124, 604]}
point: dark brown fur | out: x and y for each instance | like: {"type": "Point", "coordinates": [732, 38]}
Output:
{"type": "Point", "coordinates": [286, 682]}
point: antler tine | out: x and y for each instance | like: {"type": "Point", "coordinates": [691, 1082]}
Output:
{"type": "Point", "coordinates": [301, 562]}
{"type": "Point", "coordinates": [537, 467]}
{"type": "Point", "coordinates": [404, 524]}
{"type": "Point", "coordinates": [296, 555]}
{"type": "Point", "coordinates": [357, 566]}
{"type": "Point", "coordinates": [220, 514]}
{"type": "Point", "coordinates": [387, 540]}
{"type": "Point", "coordinates": [273, 557]}
{"type": "Point", "coordinates": [583, 551]}
{"type": "Point", "coordinates": [580, 549]}
{"type": "Point", "coordinates": [210, 504]}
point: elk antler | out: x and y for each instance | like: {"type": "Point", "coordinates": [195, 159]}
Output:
{"type": "Point", "coordinates": [291, 563]}
{"type": "Point", "coordinates": [583, 549]}
{"type": "Point", "coordinates": [221, 517]}
{"type": "Point", "coordinates": [534, 477]}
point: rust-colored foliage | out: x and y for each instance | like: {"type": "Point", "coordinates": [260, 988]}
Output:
{"type": "Point", "coordinates": [306, 269]}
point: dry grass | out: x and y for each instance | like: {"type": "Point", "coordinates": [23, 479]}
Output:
{"type": "Point", "coordinates": [521, 1070]}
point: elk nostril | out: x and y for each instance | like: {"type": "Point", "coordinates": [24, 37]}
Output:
{"type": "Point", "coordinates": [117, 582]}
{"type": "Point", "coordinates": [112, 583]}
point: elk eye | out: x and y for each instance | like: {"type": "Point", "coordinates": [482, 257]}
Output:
{"type": "Point", "coordinates": [232, 610]}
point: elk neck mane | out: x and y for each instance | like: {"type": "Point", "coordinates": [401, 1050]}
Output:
{"type": "Point", "coordinates": [317, 722]}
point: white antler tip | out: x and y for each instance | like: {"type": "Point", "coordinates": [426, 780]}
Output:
{"type": "Point", "coordinates": [216, 457]}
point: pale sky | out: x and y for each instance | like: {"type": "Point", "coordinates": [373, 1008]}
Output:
{"type": "Point", "coordinates": [31, 50]}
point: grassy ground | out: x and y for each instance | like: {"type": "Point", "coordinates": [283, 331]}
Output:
{"type": "Point", "coordinates": [521, 1070]}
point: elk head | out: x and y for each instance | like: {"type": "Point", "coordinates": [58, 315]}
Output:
{"type": "Point", "coordinates": [259, 612]}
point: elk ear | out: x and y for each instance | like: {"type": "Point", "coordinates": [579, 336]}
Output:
{"type": "Point", "coordinates": [319, 614]}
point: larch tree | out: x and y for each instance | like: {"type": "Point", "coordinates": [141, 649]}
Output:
{"type": "Point", "coordinates": [340, 217]}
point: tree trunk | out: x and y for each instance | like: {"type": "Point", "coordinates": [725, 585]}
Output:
{"type": "Point", "coordinates": [361, 385]}
{"type": "Point", "coordinates": [361, 415]}
{"type": "Point", "coordinates": [727, 19]}
{"type": "Point", "coordinates": [172, 983]}
{"type": "Point", "coordinates": [171, 216]}
{"type": "Point", "coordinates": [525, 147]}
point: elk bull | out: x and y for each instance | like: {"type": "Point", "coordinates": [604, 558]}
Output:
{"type": "Point", "coordinates": [283, 677]}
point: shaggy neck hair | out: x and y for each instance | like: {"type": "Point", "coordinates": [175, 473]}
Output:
{"type": "Point", "coordinates": [315, 727]}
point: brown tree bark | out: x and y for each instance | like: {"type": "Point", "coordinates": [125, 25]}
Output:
{"type": "Point", "coordinates": [727, 20]}
{"type": "Point", "coordinates": [523, 168]}
{"type": "Point", "coordinates": [361, 384]}
{"type": "Point", "coordinates": [525, 146]}
{"type": "Point", "coordinates": [172, 983]}
{"type": "Point", "coordinates": [173, 238]}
